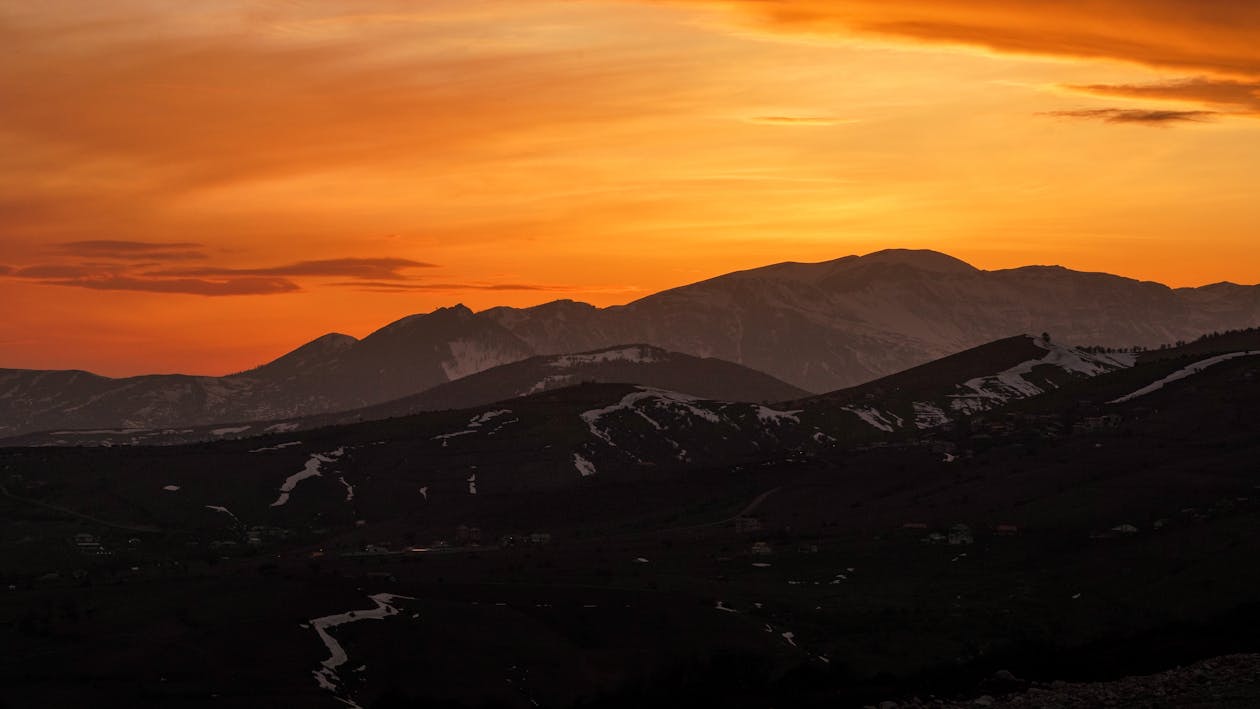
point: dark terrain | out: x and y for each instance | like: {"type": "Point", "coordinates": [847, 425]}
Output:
{"type": "Point", "coordinates": [715, 556]}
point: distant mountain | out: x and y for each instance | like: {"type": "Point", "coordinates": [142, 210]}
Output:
{"type": "Point", "coordinates": [823, 326]}
{"type": "Point", "coordinates": [651, 367]}
{"type": "Point", "coordinates": [818, 327]}
{"type": "Point", "coordinates": [333, 373]}
{"type": "Point", "coordinates": [696, 397]}
{"type": "Point", "coordinates": [707, 378]}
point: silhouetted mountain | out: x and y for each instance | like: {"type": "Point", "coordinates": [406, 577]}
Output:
{"type": "Point", "coordinates": [823, 326]}
{"type": "Point", "coordinates": [818, 327]}
{"type": "Point", "coordinates": [332, 373]}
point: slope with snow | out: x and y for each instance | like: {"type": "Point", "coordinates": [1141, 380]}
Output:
{"type": "Point", "coordinates": [1183, 373]}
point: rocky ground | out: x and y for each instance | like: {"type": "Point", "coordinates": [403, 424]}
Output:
{"type": "Point", "coordinates": [1229, 682]}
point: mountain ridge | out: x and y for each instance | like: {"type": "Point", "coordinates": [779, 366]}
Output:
{"type": "Point", "coordinates": [819, 327]}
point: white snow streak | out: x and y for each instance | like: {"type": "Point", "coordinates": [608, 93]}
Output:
{"type": "Point", "coordinates": [279, 446]}
{"type": "Point", "coordinates": [644, 398]}
{"type": "Point", "coordinates": [928, 415]}
{"type": "Point", "coordinates": [984, 393]}
{"type": "Point", "coordinates": [769, 415]}
{"type": "Point", "coordinates": [326, 676]}
{"type": "Point", "coordinates": [1183, 373]}
{"type": "Point", "coordinates": [876, 418]}
{"type": "Point", "coordinates": [310, 471]}
{"type": "Point", "coordinates": [584, 466]}
{"type": "Point", "coordinates": [224, 510]}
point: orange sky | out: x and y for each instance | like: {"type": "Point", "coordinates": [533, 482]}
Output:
{"type": "Point", "coordinates": [202, 186]}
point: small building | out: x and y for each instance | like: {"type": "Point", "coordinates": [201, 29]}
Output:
{"type": "Point", "coordinates": [761, 549]}
{"type": "Point", "coordinates": [960, 534]}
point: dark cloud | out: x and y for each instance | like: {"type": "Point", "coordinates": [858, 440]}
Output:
{"type": "Point", "coordinates": [374, 273]}
{"type": "Point", "coordinates": [59, 270]}
{"type": "Point", "coordinates": [383, 287]}
{"type": "Point", "coordinates": [1214, 36]}
{"type": "Point", "coordinates": [153, 250]}
{"type": "Point", "coordinates": [1201, 90]}
{"type": "Point", "coordinates": [187, 286]}
{"type": "Point", "coordinates": [362, 268]}
{"type": "Point", "coordinates": [1138, 116]}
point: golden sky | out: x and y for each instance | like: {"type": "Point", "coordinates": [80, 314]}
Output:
{"type": "Point", "coordinates": [202, 186]}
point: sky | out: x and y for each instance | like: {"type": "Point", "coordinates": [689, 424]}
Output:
{"type": "Point", "coordinates": [200, 187]}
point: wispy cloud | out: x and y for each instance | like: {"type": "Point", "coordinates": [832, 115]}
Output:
{"type": "Point", "coordinates": [364, 268]}
{"type": "Point", "coordinates": [186, 286]}
{"type": "Point", "coordinates": [151, 250]}
{"type": "Point", "coordinates": [1217, 37]}
{"type": "Point", "coordinates": [377, 273]}
{"type": "Point", "coordinates": [380, 286]}
{"type": "Point", "coordinates": [798, 120]}
{"type": "Point", "coordinates": [1138, 116]}
{"type": "Point", "coordinates": [1222, 92]}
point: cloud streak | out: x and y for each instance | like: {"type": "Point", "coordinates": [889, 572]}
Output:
{"type": "Point", "coordinates": [1138, 116]}
{"type": "Point", "coordinates": [1221, 92]}
{"type": "Point", "coordinates": [1216, 37]}
{"type": "Point", "coordinates": [364, 268]}
{"type": "Point", "coordinates": [370, 273]}
{"type": "Point", "coordinates": [184, 286]}
{"type": "Point", "coordinates": [151, 250]}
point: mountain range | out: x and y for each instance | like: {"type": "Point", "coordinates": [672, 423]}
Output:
{"type": "Point", "coordinates": [815, 327]}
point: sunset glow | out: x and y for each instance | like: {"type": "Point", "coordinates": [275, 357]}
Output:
{"type": "Point", "coordinates": [200, 187]}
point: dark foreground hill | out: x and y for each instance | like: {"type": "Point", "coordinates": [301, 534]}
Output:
{"type": "Point", "coordinates": [610, 546]}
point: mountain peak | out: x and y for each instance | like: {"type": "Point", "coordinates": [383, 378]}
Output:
{"type": "Point", "coordinates": [921, 259]}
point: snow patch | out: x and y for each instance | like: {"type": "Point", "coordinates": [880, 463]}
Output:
{"type": "Point", "coordinates": [229, 430]}
{"type": "Point", "coordinates": [636, 355]}
{"type": "Point", "coordinates": [984, 393]}
{"type": "Point", "coordinates": [928, 415]}
{"type": "Point", "coordinates": [282, 427]}
{"type": "Point", "coordinates": [769, 415]}
{"type": "Point", "coordinates": [1183, 373]}
{"type": "Point", "coordinates": [584, 466]}
{"type": "Point", "coordinates": [469, 357]}
{"type": "Point", "coordinates": [277, 447]}
{"type": "Point", "coordinates": [875, 417]}
{"type": "Point", "coordinates": [551, 381]}
{"type": "Point", "coordinates": [349, 489]}
{"type": "Point", "coordinates": [326, 676]}
{"type": "Point", "coordinates": [640, 403]}
{"type": "Point", "coordinates": [171, 488]}
{"type": "Point", "coordinates": [311, 470]}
